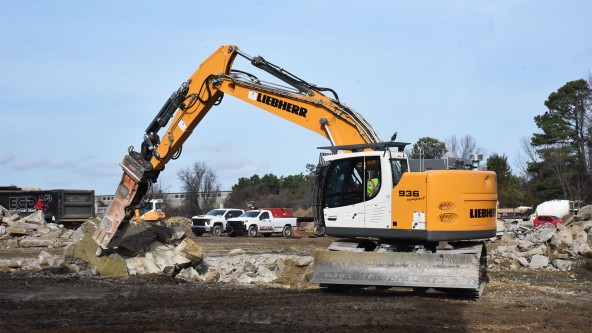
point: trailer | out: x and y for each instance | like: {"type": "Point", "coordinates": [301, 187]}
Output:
{"type": "Point", "coordinates": [60, 206]}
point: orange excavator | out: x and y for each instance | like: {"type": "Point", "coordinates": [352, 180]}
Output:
{"type": "Point", "coordinates": [400, 227]}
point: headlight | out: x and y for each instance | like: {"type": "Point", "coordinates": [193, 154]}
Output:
{"type": "Point", "coordinates": [207, 223]}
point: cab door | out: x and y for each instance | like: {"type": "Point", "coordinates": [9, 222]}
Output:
{"type": "Point", "coordinates": [344, 193]}
{"type": "Point", "coordinates": [377, 194]}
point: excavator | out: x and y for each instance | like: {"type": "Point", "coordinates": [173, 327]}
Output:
{"type": "Point", "coordinates": [150, 212]}
{"type": "Point", "coordinates": [396, 227]}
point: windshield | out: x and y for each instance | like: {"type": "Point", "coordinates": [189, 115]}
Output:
{"type": "Point", "coordinates": [158, 206]}
{"type": "Point", "coordinates": [253, 213]}
{"type": "Point", "coordinates": [352, 180]}
{"type": "Point", "coordinates": [216, 212]}
{"type": "Point", "coordinates": [398, 167]}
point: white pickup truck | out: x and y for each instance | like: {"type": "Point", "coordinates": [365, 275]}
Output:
{"type": "Point", "coordinates": [214, 221]}
{"type": "Point", "coordinates": [263, 221]}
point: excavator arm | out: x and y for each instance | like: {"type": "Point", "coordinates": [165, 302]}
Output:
{"type": "Point", "coordinates": [302, 103]}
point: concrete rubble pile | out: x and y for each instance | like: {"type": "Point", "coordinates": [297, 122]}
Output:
{"type": "Point", "coordinates": [31, 231]}
{"type": "Point", "coordinates": [146, 248]}
{"type": "Point", "coordinates": [22, 234]}
{"type": "Point", "coordinates": [164, 248]}
{"type": "Point", "coordinates": [161, 248]}
{"type": "Point", "coordinates": [242, 268]}
{"type": "Point", "coordinates": [547, 247]}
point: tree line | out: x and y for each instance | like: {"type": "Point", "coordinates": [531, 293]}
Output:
{"type": "Point", "coordinates": [555, 163]}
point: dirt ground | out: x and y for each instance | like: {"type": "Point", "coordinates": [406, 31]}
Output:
{"type": "Point", "coordinates": [514, 301]}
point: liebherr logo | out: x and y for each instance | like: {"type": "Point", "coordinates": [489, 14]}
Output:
{"type": "Point", "coordinates": [481, 213]}
{"type": "Point", "coordinates": [277, 103]}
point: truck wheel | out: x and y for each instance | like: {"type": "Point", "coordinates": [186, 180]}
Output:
{"type": "Point", "coordinates": [198, 233]}
{"type": "Point", "coordinates": [217, 230]}
{"type": "Point", "coordinates": [253, 231]}
{"type": "Point", "coordinates": [287, 232]}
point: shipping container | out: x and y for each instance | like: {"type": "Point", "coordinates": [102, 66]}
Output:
{"type": "Point", "coordinates": [60, 206]}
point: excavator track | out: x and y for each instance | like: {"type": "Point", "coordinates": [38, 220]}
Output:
{"type": "Point", "coordinates": [460, 269]}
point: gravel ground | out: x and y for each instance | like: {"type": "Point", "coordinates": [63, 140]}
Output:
{"type": "Point", "coordinates": [514, 301]}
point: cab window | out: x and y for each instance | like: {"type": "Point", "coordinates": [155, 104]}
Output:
{"type": "Point", "coordinates": [344, 181]}
{"type": "Point", "coordinates": [373, 177]}
{"type": "Point", "coordinates": [398, 168]}
{"type": "Point", "coordinates": [351, 181]}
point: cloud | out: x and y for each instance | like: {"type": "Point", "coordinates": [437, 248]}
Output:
{"type": "Point", "coordinates": [217, 147]}
{"type": "Point", "coordinates": [6, 157]}
{"type": "Point", "coordinates": [44, 163]}
{"type": "Point", "coordinates": [31, 163]}
{"type": "Point", "coordinates": [59, 163]}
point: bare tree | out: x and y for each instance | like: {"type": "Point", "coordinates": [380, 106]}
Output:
{"type": "Point", "coordinates": [159, 191]}
{"type": "Point", "coordinates": [463, 147]}
{"type": "Point", "coordinates": [211, 188]}
{"type": "Point", "coordinates": [453, 145]}
{"type": "Point", "coordinates": [526, 156]}
{"type": "Point", "coordinates": [200, 182]}
{"type": "Point", "coordinates": [557, 156]}
{"type": "Point", "coordinates": [588, 128]}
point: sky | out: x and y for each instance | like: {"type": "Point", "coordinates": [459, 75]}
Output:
{"type": "Point", "coordinates": [81, 80]}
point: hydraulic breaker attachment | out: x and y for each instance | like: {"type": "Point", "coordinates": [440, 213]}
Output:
{"type": "Point", "coordinates": [461, 270]}
{"type": "Point", "coordinates": [130, 192]}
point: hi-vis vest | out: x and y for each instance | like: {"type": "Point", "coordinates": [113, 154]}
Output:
{"type": "Point", "coordinates": [372, 184]}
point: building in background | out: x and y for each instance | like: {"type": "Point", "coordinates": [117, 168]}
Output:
{"type": "Point", "coordinates": [175, 200]}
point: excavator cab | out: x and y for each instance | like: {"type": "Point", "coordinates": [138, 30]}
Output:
{"type": "Point", "coordinates": [403, 228]}
{"type": "Point", "coordinates": [357, 192]}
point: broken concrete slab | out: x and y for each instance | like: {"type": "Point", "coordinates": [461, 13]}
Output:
{"type": "Point", "coordinates": [139, 249]}
{"type": "Point", "coordinates": [85, 249]}
{"type": "Point", "coordinates": [563, 265]}
{"type": "Point", "coordinates": [538, 261]}
{"type": "Point", "coordinates": [13, 231]}
{"type": "Point", "coordinates": [8, 215]}
{"type": "Point", "coordinates": [133, 237]}
{"type": "Point", "coordinates": [36, 218]}
{"type": "Point", "coordinates": [190, 250]}
{"type": "Point", "coordinates": [22, 224]}
{"type": "Point", "coordinates": [546, 233]}
{"type": "Point", "coordinates": [141, 266]}
{"type": "Point", "coordinates": [189, 274]}
{"type": "Point", "coordinates": [562, 239]}
{"type": "Point", "coordinates": [36, 242]}
{"type": "Point", "coordinates": [166, 259]}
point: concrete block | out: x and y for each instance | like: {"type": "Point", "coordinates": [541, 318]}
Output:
{"type": "Point", "coordinates": [85, 250]}
{"type": "Point", "coordinates": [189, 274]}
{"type": "Point", "coordinates": [35, 242]}
{"type": "Point", "coordinates": [12, 231]}
{"type": "Point", "coordinates": [538, 261]}
{"type": "Point", "coordinates": [189, 249]}
{"type": "Point", "coordinates": [563, 265]}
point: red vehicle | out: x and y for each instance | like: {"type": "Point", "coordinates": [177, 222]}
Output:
{"type": "Point", "coordinates": [546, 219]}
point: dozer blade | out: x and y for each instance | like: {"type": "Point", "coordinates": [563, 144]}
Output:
{"type": "Point", "coordinates": [462, 270]}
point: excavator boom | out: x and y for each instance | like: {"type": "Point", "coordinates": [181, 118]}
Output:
{"type": "Point", "coordinates": [186, 107]}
